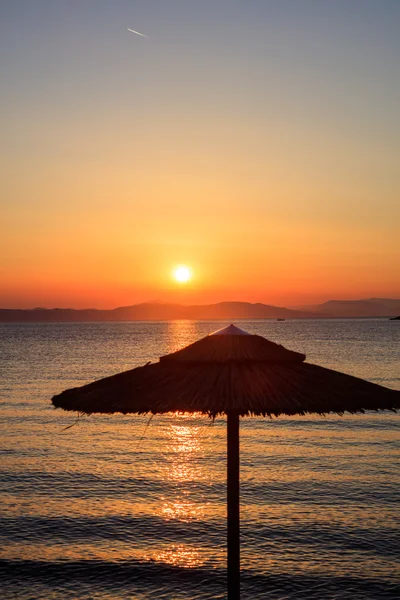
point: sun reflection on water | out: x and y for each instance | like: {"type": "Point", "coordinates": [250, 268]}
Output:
{"type": "Point", "coordinates": [182, 333]}
{"type": "Point", "coordinates": [184, 449]}
{"type": "Point", "coordinates": [183, 469]}
{"type": "Point", "coordinates": [180, 555]}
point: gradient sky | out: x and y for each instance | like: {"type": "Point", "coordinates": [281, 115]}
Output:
{"type": "Point", "coordinates": [257, 141]}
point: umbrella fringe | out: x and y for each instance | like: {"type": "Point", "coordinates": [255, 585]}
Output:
{"type": "Point", "coordinates": [145, 430]}
{"type": "Point", "coordinates": [80, 414]}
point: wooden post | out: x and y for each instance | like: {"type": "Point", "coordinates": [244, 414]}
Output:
{"type": "Point", "coordinates": [233, 507]}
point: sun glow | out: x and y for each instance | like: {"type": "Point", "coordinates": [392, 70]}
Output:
{"type": "Point", "coordinates": [182, 274]}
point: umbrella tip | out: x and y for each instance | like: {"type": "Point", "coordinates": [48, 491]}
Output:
{"type": "Point", "coordinates": [231, 330]}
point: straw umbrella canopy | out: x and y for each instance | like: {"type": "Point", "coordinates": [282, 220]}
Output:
{"type": "Point", "coordinates": [235, 373]}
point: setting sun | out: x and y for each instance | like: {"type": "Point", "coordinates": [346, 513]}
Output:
{"type": "Point", "coordinates": [182, 274]}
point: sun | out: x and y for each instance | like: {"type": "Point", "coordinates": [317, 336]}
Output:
{"type": "Point", "coordinates": [182, 274]}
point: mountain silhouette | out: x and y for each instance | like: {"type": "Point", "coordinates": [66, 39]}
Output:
{"type": "Point", "coordinates": [160, 311]}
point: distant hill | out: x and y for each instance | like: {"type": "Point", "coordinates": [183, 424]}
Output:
{"type": "Point", "coordinates": [155, 311]}
{"type": "Point", "coordinates": [371, 307]}
{"type": "Point", "coordinates": [159, 311]}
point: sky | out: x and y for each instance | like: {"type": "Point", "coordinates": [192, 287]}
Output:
{"type": "Point", "coordinates": [255, 141]}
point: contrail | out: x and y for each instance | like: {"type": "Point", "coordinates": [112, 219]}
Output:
{"type": "Point", "coordinates": [138, 33]}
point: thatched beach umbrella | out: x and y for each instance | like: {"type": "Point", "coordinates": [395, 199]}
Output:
{"type": "Point", "coordinates": [235, 373]}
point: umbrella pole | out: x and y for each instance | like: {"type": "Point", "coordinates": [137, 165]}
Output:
{"type": "Point", "coordinates": [233, 507]}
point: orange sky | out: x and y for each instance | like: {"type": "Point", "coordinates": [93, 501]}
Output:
{"type": "Point", "coordinates": [124, 156]}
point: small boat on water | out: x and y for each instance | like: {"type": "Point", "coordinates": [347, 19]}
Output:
{"type": "Point", "coordinates": [281, 319]}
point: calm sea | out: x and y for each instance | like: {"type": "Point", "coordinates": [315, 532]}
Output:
{"type": "Point", "coordinates": [118, 507]}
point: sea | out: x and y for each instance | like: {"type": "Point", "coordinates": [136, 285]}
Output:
{"type": "Point", "coordinates": [110, 507]}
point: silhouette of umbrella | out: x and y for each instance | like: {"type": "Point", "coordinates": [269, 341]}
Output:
{"type": "Point", "coordinates": [235, 373]}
